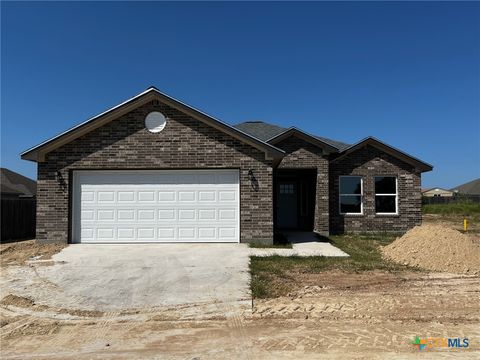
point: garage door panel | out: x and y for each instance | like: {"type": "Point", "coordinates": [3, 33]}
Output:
{"type": "Point", "coordinates": [105, 233]}
{"type": "Point", "coordinates": [206, 196]}
{"type": "Point", "coordinates": [167, 215]}
{"type": "Point", "coordinates": [146, 233]}
{"type": "Point", "coordinates": [126, 196]}
{"type": "Point", "coordinates": [166, 196]}
{"type": "Point", "coordinates": [88, 233]}
{"type": "Point", "coordinates": [125, 215]}
{"type": "Point", "coordinates": [207, 214]}
{"type": "Point", "coordinates": [156, 206]}
{"type": "Point", "coordinates": [227, 232]}
{"type": "Point", "coordinates": [125, 233]}
{"type": "Point", "coordinates": [186, 196]}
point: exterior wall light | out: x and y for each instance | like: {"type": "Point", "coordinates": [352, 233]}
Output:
{"type": "Point", "coordinates": [253, 180]}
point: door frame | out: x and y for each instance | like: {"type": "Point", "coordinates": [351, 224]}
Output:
{"type": "Point", "coordinates": [302, 177]}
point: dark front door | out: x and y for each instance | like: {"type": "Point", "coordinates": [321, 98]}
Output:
{"type": "Point", "coordinates": [295, 191]}
{"type": "Point", "coordinates": [287, 210]}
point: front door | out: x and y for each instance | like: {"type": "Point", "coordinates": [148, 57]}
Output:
{"type": "Point", "coordinates": [287, 204]}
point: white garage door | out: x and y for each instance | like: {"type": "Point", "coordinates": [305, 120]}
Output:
{"type": "Point", "coordinates": [156, 206]}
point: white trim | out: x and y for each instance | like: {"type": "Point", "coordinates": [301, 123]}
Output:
{"type": "Point", "coordinates": [396, 196]}
{"type": "Point", "coordinates": [340, 196]}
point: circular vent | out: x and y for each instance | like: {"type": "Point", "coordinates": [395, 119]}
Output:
{"type": "Point", "coordinates": [155, 122]}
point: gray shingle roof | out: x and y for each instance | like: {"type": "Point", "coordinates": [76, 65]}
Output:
{"type": "Point", "coordinates": [265, 131]}
{"type": "Point", "coordinates": [470, 188]}
{"type": "Point", "coordinates": [14, 183]}
{"type": "Point", "coordinates": [259, 129]}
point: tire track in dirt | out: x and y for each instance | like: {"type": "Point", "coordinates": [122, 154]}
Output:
{"type": "Point", "coordinates": [235, 322]}
{"type": "Point", "coordinates": [15, 325]}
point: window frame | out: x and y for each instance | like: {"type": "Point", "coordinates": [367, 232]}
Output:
{"type": "Point", "coordinates": [340, 196]}
{"type": "Point", "coordinates": [396, 195]}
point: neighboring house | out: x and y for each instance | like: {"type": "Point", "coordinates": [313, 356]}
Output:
{"type": "Point", "coordinates": [14, 185]}
{"type": "Point", "coordinates": [154, 169]}
{"type": "Point", "coordinates": [437, 192]}
{"type": "Point", "coordinates": [18, 206]}
{"type": "Point", "coordinates": [470, 188]}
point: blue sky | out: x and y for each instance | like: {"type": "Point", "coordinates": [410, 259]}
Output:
{"type": "Point", "coordinates": [407, 73]}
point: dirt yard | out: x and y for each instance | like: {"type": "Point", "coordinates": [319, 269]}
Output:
{"type": "Point", "coordinates": [455, 221]}
{"type": "Point", "coordinates": [17, 253]}
{"type": "Point", "coordinates": [331, 314]}
{"type": "Point", "coordinates": [363, 316]}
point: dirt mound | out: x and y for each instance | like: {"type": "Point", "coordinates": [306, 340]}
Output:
{"type": "Point", "coordinates": [19, 301]}
{"type": "Point", "coordinates": [33, 328]}
{"type": "Point", "coordinates": [18, 253]}
{"type": "Point", "coordinates": [437, 248]}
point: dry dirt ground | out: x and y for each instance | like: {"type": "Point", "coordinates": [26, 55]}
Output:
{"type": "Point", "coordinates": [336, 315]}
{"type": "Point", "coordinates": [455, 222]}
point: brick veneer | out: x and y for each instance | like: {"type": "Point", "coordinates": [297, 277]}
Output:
{"type": "Point", "coordinates": [369, 162]}
{"type": "Point", "coordinates": [301, 154]}
{"type": "Point", "coordinates": [124, 143]}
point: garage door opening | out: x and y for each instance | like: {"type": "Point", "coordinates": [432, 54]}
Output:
{"type": "Point", "coordinates": [132, 206]}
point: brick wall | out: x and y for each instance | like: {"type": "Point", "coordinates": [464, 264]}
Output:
{"type": "Point", "coordinates": [301, 154]}
{"type": "Point", "coordinates": [124, 143]}
{"type": "Point", "coordinates": [369, 162]}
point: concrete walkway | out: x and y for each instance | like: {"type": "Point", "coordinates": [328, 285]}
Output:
{"type": "Point", "coordinates": [304, 244]}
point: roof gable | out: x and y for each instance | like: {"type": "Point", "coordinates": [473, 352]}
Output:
{"type": "Point", "coordinates": [409, 159]}
{"type": "Point", "coordinates": [304, 136]}
{"type": "Point", "coordinates": [38, 152]}
{"type": "Point", "coordinates": [265, 131]}
{"type": "Point", "coordinates": [438, 189]}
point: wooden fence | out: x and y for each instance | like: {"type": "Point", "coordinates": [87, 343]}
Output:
{"type": "Point", "coordinates": [18, 218]}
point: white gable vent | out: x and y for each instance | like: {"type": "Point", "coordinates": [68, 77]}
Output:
{"type": "Point", "coordinates": [155, 122]}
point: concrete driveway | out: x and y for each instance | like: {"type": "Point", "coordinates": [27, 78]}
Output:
{"type": "Point", "coordinates": [117, 277]}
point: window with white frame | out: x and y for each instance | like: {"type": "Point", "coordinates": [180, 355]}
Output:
{"type": "Point", "coordinates": [351, 193]}
{"type": "Point", "coordinates": [386, 195]}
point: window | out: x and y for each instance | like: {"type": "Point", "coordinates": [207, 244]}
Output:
{"type": "Point", "coordinates": [351, 191]}
{"type": "Point", "coordinates": [386, 194]}
{"type": "Point", "coordinates": [287, 189]}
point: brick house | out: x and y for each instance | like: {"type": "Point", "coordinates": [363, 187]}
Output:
{"type": "Point", "coordinates": [154, 169]}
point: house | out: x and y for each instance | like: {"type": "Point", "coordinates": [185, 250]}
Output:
{"type": "Point", "coordinates": [469, 188]}
{"type": "Point", "coordinates": [14, 185]}
{"type": "Point", "coordinates": [437, 192]}
{"type": "Point", "coordinates": [17, 208]}
{"type": "Point", "coordinates": [154, 169]}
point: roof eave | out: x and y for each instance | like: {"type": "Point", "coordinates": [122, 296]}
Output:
{"type": "Point", "coordinates": [420, 165]}
{"type": "Point", "coordinates": [306, 136]}
{"type": "Point", "coordinates": [37, 153]}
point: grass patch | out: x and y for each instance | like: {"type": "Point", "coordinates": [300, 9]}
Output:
{"type": "Point", "coordinates": [465, 209]}
{"type": "Point", "coordinates": [271, 275]}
